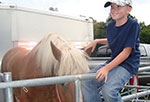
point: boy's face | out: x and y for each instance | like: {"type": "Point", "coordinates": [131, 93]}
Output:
{"type": "Point", "coordinates": [119, 12]}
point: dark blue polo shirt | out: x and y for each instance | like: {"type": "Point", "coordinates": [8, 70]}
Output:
{"type": "Point", "coordinates": [124, 36]}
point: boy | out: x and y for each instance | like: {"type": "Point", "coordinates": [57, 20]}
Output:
{"type": "Point", "coordinates": [123, 40]}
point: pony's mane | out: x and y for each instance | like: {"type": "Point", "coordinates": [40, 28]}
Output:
{"type": "Point", "coordinates": [73, 61]}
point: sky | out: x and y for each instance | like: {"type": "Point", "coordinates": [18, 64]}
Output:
{"type": "Point", "coordinates": [87, 8]}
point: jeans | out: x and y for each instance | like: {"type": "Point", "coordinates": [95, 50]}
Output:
{"type": "Point", "coordinates": [116, 80]}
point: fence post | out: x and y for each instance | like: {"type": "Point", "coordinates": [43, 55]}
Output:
{"type": "Point", "coordinates": [8, 91]}
{"type": "Point", "coordinates": [78, 90]}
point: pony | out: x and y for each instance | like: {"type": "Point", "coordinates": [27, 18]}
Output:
{"type": "Point", "coordinates": [52, 56]}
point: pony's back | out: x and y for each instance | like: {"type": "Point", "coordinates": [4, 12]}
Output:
{"type": "Point", "coordinates": [11, 58]}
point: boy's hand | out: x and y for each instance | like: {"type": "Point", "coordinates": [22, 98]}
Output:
{"type": "Point", "coordinates": [102, 73]}
{"type": "Point", "coordinates": [88, 51]}
{"type": "Point", "coordinates": [90, 48]}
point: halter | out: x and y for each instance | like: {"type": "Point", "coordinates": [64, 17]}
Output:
{"type": "Point", "coordinates": [17, 100]}
{"type": "Point", "coordinates": [58, 95]}
{"type": "Point", "coordinates": [26, 91]}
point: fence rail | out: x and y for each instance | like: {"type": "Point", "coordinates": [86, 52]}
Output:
{"type": "Point", "coordinates": [8, 84]}
{"type": "Point", "coordinates": [46, 81]}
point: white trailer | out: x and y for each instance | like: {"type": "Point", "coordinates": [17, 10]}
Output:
{"type": "Point", "coordinates": [20, 26]}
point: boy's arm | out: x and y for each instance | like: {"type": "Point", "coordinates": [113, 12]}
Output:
{"type": "Point", "coordinates": [90, 48]}
{"type": "Point", "coordinates": [120, 58]}
{"type": "Point", "coordinates": [103, 72]}
{"type": "Point", "coordinates": [102, 41]}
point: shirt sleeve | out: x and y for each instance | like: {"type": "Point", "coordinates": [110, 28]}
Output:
{"type": "Point", "coordinates": [133, 35]}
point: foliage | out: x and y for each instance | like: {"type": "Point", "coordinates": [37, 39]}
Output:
{"type": "Point", "coordinates": [145, 33]}
{"type": "Point", "coordinates": [99, 32]}
{"type": "Point", "coordinates": [99, 29]}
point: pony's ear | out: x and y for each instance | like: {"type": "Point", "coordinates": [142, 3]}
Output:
{"type": "Point", "coordinates": [56, 52]}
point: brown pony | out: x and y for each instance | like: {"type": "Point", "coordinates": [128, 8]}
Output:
{"type": "Point", "coordinates": [52, 56]}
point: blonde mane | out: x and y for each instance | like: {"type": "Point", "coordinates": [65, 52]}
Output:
{"type": "Point", "coordinates": [73, 61]}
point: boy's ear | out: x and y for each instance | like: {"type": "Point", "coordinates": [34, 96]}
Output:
{"type": "Point", "coordinates": [56, 52]}
{"type": "Point", "coordinates": [129, 9]}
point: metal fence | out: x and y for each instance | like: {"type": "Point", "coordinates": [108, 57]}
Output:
{"type": "Point", "coordinates": [8, 84]}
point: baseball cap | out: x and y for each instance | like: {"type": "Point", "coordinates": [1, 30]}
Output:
{"type": "Point", "coordinates": [118, 2]}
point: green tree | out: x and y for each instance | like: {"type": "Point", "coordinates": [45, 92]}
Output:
{"type": "Point", "coordinates": [145, 33]}
{"type": "Point", "coordinates": [99, 29]}
{"type": "Point", "coordinates": [99, 32]}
